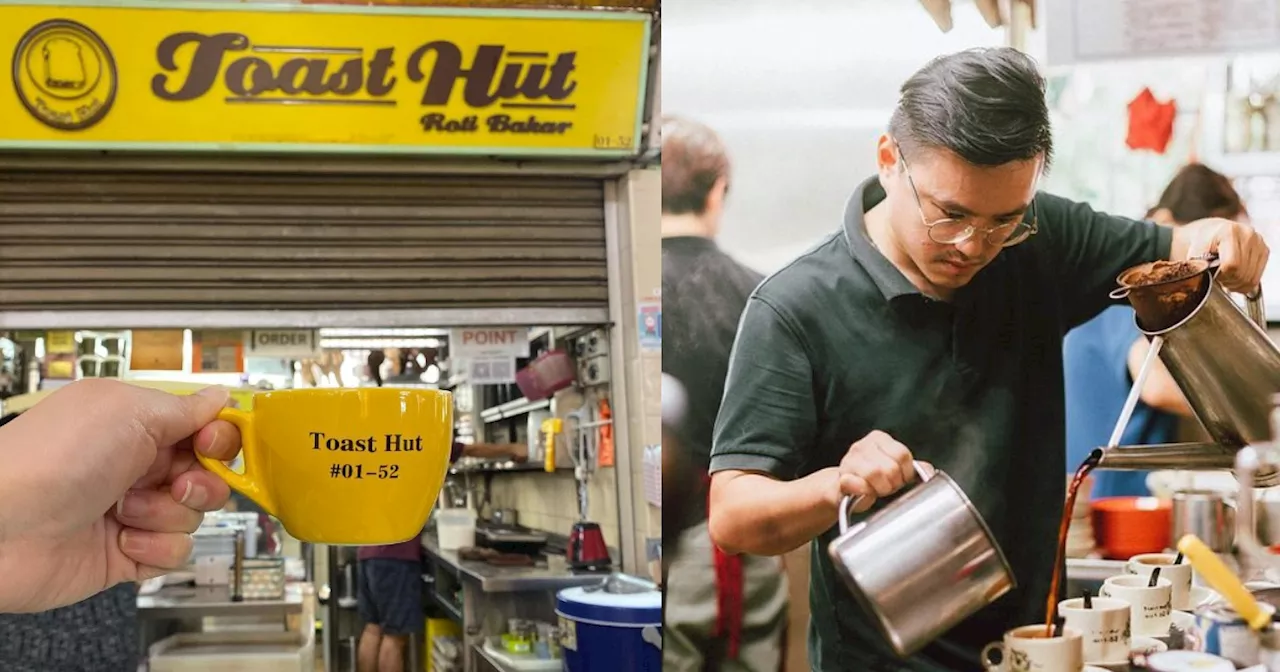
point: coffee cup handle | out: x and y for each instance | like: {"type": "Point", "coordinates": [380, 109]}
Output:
{"type": "Point", "coordinates": [246, 483]}
{"type": "Point", "coordinates": [847, 504]}
{"type": "Point", "coordinates": [985, 657]}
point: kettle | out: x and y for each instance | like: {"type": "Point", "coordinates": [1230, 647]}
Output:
{"type": "Point", "coordinates": [586, 548]}
{"type": "Point", "coordinates": [922, 564]}
{"type": "Point", "coordinates": [1221, 359]}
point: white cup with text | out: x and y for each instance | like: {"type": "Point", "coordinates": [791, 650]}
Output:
{"type": "Point", "coordinates": [1150, 607]}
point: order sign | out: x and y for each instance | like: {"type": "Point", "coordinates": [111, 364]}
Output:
{"type": "Point", "coordinates": [283, 343]}
{"type": "Point", "coordinates": [323, 78]}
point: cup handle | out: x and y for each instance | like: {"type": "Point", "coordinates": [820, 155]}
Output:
{"type": "Point", "coordinates": [246, 483]}
{"type": "Point", "coordinates": [847, 504]}
{"type": "Point", "coordinates": [985, 656]}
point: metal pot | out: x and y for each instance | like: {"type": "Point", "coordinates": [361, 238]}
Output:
{"type": "Point", "coordinates": [1205, 514]}
{"type": "Point", "coordinates": [922, 564]}
{"type": "Point", "coordinates": [1211, 517]}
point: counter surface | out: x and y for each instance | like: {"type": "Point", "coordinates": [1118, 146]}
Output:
{"type": "Point", "coordinates": [554, 575]}
{"type": "Point", "coordinates": [198, 601]}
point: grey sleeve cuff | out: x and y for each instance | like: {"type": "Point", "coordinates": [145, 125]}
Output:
{"type": "Point", "coordinates": [750, 461]}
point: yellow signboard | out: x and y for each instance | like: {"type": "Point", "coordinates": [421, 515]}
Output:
{"type": "Point", "coordinates": [221, 77]}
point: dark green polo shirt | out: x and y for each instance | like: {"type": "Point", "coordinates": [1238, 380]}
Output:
{"type": "Point", "coordinates": [839, 343]}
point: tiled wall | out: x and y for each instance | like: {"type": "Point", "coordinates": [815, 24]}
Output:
{"type": "Point", "coordinates": [642, 247]}
{"type": "Point", "coordinates": [549, 501]}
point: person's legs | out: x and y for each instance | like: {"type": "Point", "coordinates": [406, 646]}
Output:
{"type": "Point", "coordinates": [692, 609]}
{"type": "Point", "coordinates": [367, 655]}
{"type": "Point", "coordinates": [690, 605]}
{"type": "Point", "coordinates": [371, 636]}
{"type": "Point", "coordinates": [398, 590]}
{"type": "Point", "coordinates": [391, 655]}
{"type": "Point", "coordinates": [765, 603]}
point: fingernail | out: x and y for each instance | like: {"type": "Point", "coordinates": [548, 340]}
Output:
{"type": "Point", "coordinates": [132, 542]}
{"type": "Point", "coordinates": [214, 392]}
{"type": "Point", "coordinates": [131, 505]}
{"type": "Point", "coordinates": [195, 496]}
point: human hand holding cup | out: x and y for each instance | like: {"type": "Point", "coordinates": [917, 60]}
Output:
{"type": "Point", "coordinates": [343, 466]}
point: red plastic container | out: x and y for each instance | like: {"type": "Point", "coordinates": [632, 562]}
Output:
{"type": "Point", "coordinates": [551, 372]}
{"type": "Point", "coordinates": [1126, 526]}
{"type": "Point", "coordinates": [527, 381]}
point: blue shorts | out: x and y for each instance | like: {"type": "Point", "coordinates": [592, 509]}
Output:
{"type": "Point", "coordinates": [390, 595]}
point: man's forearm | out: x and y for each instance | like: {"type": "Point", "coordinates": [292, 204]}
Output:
{"type": "Point", "coordinates": [757, 514]}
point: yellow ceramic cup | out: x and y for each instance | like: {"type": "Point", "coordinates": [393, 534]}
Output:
{"type": "Point", "coordinates": [354, 467]}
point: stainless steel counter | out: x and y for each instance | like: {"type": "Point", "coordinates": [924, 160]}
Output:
{"type": "Point", "coordinates": [199, 601]}
{"type": "Point", "coordinates": [554, 575]}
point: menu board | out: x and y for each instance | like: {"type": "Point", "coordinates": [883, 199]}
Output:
{"type": "Point", "coordinates": [1099, 30]}
{"type": "Point", "coordinates": [156, 350]}
{"type": "Point", "coordinates": [217, 352]}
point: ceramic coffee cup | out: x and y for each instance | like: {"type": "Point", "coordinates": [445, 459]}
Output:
{"type": "Point", "coordinates": [1179, 575]}
{"type": "Point", "coordinates": [1105, 627]}
{"type": "Point", "coordinates": [1150, 607]}
{"type": "Point", "coordinates": [344, 466]}
{"type": "Point", "coordinates": [1026, 649]}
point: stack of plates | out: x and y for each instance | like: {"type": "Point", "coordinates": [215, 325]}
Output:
{"type": "Point", "coordinates": [1080, 534]}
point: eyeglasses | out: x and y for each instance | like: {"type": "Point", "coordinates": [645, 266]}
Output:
{"type": "Point", "coordinates": [948, 231]}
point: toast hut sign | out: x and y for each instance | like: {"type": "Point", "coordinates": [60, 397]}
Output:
{"type": "Point", "coordinates": [322, 78]}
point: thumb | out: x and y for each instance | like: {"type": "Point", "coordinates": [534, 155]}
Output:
{"type": "Point", "coordinates": [176, 417]}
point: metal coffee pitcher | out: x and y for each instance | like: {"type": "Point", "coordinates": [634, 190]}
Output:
{"type": "Point", "coordinates": [921, 564]}
{"type": "Point", "coordinates": [1222, 360]}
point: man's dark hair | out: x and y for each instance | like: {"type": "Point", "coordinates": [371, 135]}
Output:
{"type": "Point", "coordinates": [985, 105]}
{"type": "Point", "coordinates": [693, 159]}
{"type": "Point", "coordinates": [1197, 192]}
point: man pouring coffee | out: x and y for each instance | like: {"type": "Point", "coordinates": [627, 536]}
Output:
{"type": "Point", "coordinates": [929, 327]}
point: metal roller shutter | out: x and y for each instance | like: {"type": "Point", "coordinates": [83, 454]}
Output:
{"type": "Point", "coordinates": [105, 238]}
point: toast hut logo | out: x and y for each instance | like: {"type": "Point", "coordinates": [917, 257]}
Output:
{"type": "Point", "coordinates": [521, 85]}
{"type": "Point", "coordinates": [64, 75]}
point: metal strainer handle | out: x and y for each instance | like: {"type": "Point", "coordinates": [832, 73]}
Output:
{"type": "Point", "coordinates": [1256, 308]}
{"type": "Point", "coordinates": [849, 501]}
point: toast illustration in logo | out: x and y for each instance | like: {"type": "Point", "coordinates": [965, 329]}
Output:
{"type": "Point", "coordinates": [65, 75]}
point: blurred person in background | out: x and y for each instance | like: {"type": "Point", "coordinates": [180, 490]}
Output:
{"type": "Point", "coordinates": [1102, 357]}
{"type": "Point", "coordinates": [928, 328]}
{"type": "Point", "coordinates": [678, 477]}
{"type": "Point", "coordinates": [389, 598]}
{"type": "Point", "coordinates": [722, 612]}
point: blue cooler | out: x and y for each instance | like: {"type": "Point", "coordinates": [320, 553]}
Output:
{"type": "Point", "coordinates": [616, 627]}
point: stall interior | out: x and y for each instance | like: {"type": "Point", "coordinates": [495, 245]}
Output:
{"type": "Point", "coordinates": [543, 513]}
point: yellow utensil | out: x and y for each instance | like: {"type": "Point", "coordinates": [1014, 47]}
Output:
{"type": "Point", "coordinates": [550, 428]}
{"type": "Point", "coordinates": [1220, 577]}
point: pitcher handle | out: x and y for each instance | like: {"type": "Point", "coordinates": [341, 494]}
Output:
{"type": "Point", "coordinates": [1256, 308]}
{"type": "Point", "coordinates": [849, 501]}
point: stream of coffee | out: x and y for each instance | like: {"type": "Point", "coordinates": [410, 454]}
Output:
{"type": "Point", "coordinates": [1059, 561]}
{"type": "Point", "coordinates": [1082, 472]}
